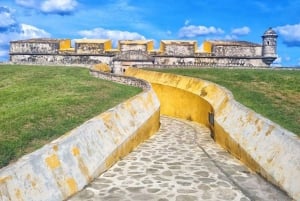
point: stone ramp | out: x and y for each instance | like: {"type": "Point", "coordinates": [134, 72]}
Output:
{"type": "Point", "coordinates": [180, 162]}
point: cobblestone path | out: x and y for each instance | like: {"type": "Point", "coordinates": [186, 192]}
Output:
{"type": "Point", "coordinates": [181, 163]}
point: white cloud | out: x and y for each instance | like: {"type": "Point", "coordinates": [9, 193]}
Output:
{"type": "Point", "coordinates": [290, 34]}
{"type": "Point", "coordinates": [28, 31]}
{"type": "Point", "coordinates": [25, 31]}
{"type": "Point", "coordinates": [194, 31]}
{"type": "Point", "coordinates": [114, 35]}
{"type": "Point", "coordinates": [230, 37]}
{"type": "Point", "coordinates": [6, 17]}
{"type": "Point", "coordinates": [58, 6]}
{"type": "Point", "coordinates": [277, 62]}
{"type": "Point", "coordinates": [10, 30]}
{"type": "Point", "coordinates": [61, 7]}
{"type": "Point", "coordinates": [28, 3]}
{"type": "Point", "coordinates": [241, 31]}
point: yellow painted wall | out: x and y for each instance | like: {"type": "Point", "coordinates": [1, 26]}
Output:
{"type": "Point", "coordinates": [107, 45]}
{"type": "Point", "coordinates": [207, 47]}
{"type": "Point", "coordinates": [65, 44]}
{"type": "Point", "coordinates": [193, 99]}
{"type": "Point", "coordinates": [102, 67]}
{"type": "Point", "coordinates": [162, 47]}
{"type": "Point", "coordinates": [179, 103]}
{"type": "Point", "coordinates": [150, 46]}
{"type": "Point", "coordinates": [144, 132]}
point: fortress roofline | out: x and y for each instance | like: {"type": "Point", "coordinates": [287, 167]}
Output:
{"type": "Point", "coordinates": [178, 41]}
{"type": "Point", "coordinates": [232, 42]}
{"type": "Point", "coordinates": [92, 40]}
{"type": "Point", "coordinates": [135, 42]}
{"type": "Point", "coordinates": [38, 40]}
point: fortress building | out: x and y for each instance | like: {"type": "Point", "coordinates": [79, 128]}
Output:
{"type": "Point", "coordinates": [141, 53]}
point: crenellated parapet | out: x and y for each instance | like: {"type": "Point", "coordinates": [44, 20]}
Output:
{"type": "Point", "coordinates": [39, 46]}
{"type": "Point", "coordinates": [214, 53]}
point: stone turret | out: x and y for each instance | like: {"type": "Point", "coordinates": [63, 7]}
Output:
{"type": "Point", "coordinates": [269, 46]}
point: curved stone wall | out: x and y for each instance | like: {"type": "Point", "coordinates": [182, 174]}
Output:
{"type": "Point", "coordinates": [261, 144]}
{"type": "Point", "coordinates": [177, 102]}
{"type": "Point", "coordinates": [64, 166]}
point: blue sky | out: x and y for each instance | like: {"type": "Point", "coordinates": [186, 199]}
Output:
{"type": "Point", "coordinates": [157, 20]}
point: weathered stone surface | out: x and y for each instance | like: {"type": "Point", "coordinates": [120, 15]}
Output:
{"type": "Point", "coordinates": [191, 145]}
{"type": "Point", "coordinates": [262, 145]}
{"type": "Point", "coordinates": [178, 48]}
{"type": "Point", "coordinates": [170, 53]}
{"type": "Point", "coordinates": [32, 46]}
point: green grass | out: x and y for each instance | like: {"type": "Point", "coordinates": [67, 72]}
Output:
{"type": "Point", "coordinates": [273, 93]}
{"type": "Point", "coordinates": [38, 104]}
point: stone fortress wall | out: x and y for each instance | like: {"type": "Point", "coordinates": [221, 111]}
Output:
{"type": "Point", "coordinates": [215, 53]}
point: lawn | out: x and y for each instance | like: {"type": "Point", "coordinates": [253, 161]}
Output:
{"type": "Point", "coordinates": [273, 93]}
{"type": "Point", "coordinates": [39, 104]}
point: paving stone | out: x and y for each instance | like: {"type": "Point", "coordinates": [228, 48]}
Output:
{"type": "Point", "coordinates": [186, 198]}
{"type": "Point", "coordinates": [181, 162]}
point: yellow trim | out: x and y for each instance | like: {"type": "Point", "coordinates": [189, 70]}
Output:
{"type": "Point", "coordinates": [207, 46]}
{"type": "Point", "coordinates": [150, 46]}
{"type": "Point", "coordinates": [64, 44]}
{"type": "Point", "coordinates": [107, 45]}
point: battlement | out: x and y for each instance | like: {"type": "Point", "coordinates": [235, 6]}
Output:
{"type": "Point", "coordinates": [136, 45]}
{"type": "Point", "coordinates": [92, 46]}
{"type": "Point", "coordinates": [39, 46]}
{"type": "Point", "coordinates": [103, 46]}
{"type": "Point", "coordinates": [142, 52]}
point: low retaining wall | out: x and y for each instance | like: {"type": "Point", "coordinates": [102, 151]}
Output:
{"type": "Point", "coordinates": [121, 79]}
{"type": "Point", "coordinates": [261, 144]}
{"type": "Point", "coordinates": [64, 166]}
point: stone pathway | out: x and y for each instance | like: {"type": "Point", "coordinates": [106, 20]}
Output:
{"type": "Point", "coordinates": [181, 163]}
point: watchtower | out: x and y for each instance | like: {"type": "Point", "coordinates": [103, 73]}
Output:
{"type": "Point", "coordinates": [269, 46]}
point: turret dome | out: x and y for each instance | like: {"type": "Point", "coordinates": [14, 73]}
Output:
{"type": "Point", "coordinates": [270, 32]}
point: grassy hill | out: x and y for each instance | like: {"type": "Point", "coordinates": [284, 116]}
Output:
{"type": "Point", "coordinates": [38, 104]}
{"type": "Point", "coordinates": [273, 93]}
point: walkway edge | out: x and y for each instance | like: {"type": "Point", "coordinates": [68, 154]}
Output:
{"type": "Point", "coordinates": [262, 145]}
{"type": "Point", "coordinates": [64, 166]}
